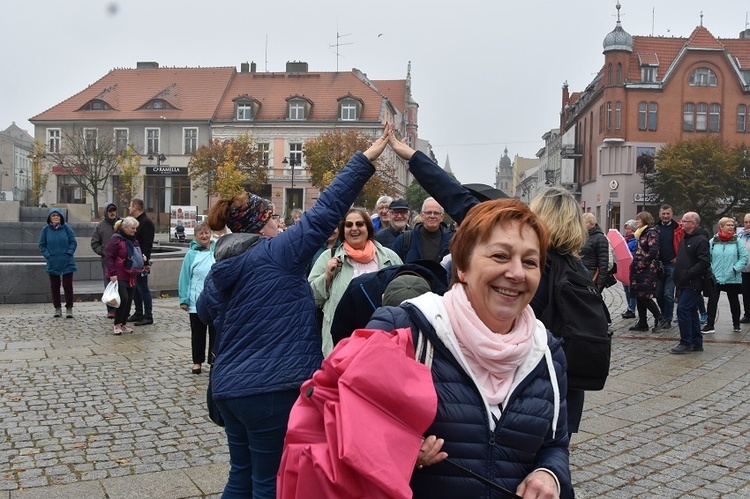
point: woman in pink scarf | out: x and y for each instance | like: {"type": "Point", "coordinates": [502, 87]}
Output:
{"type": "Point", "coordinates": [498, 373]}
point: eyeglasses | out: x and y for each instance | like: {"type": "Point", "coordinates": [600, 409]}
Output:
{"type": "Point", "coordinates": [432, 213]}
{"type": "Point", "coordinates": [359, 223]}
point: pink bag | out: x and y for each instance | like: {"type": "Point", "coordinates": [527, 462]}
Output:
{"type": "Point", "coordinates": [357, 428]}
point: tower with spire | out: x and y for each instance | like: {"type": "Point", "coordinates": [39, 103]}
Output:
{"type": "Point", "coordinates": [504, 174]}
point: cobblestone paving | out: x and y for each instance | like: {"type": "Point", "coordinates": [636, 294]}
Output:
{"type": "Point", "coordinates": [123, 417]}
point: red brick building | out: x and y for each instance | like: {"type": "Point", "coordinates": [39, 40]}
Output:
{"type": "Point", "coordinates": [651, 91]}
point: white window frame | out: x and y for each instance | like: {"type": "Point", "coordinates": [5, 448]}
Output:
{"type": "Point", "coordinates": [295, 152]}
{"type": "Point", "coordinates": [53, 139]}
{"type": "Point", "coordinates": [348, 111]}
{"type": "Point", "coordinates": [296, 110]}
{"type": "Point", "coordinates": [648, 74]}
{"type": "Point", "coordinates": [714, 117]}
{"type": "Point", "coordinates": [264, 153]}
{"type": "Point", "coordinates": [701, 117]}
{"type": "Point", "coordinates": [189, 144]}
{"type": "Point", "coordinates": [152, 138]}
{"type": "Point", "coordinates": [119, 148]}
{"type": "Point", "coordinates": [88, 135]}
{"type": "Point", "coordinates": [703, 77]}
{"type": "Point", "coordinates": [244, 112]}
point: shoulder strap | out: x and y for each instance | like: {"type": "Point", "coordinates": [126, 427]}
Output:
{"type": "Point", "coordinates": [407, 242]}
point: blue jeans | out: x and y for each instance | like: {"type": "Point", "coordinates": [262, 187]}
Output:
{"type": "Point", "coordinates": [629, 301]}
{"type": "Point", "coordinates": [142, 299]}
{"type": "Point", "coordinates": [665, 293]}
{"type": "Point", "coordinates": [255, 428]}
{"type": "Point", "coordinates": [688, 319]}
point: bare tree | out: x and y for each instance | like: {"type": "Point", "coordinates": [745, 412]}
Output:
{"type": "Point", "coordinates": [90, 158]}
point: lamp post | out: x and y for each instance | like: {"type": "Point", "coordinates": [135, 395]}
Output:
{"type": "Point", "coordinates": [159, 158]}
{"type": "Point", "coordinates": [292, 162]}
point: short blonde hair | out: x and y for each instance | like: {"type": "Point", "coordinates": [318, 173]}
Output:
{"type": "Point", "coordinates": [127, 222]}
{"type": "Point", "coordinates": [723, 221]}
{"type": "Point", "coordinates": [562, 214]}
{"type": "Point", "coordinates": [645, 217]}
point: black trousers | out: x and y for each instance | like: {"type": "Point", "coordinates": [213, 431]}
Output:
{"type": "Point", "coordinates": [126, 300]}
{"type": "Point", "coordinates": [198, 340]}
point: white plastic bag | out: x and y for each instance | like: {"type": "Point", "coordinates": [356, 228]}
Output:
{"type": "Point", "coordinates": [111, 295]}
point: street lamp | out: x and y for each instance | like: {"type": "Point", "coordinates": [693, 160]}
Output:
{"type": "Point", "coordinates": [292, 162]}
{"type": "Point", "coordinates": [159, 158]}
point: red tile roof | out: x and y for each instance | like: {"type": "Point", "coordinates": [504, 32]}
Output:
{"type": "Point", "coordinates": [395, 90]}
{"type": "Point", "coordinates": [193, 92]}
{"type": "Point", "coordinates": [321, 88]}
{"type": "Point", "coordinates": [702, 38]}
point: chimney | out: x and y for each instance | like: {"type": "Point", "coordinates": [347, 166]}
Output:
{"type": "Point", "coordinates": [252, 67]}
{"type": "Point", "coordinates": [296, 67]}
{"type": "Point", "coordinates": [244, 67]}
{"type": "Point", "coordinates": [147, 65]}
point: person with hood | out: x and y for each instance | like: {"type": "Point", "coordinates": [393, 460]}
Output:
{"type": "Point", "coordinates": [267, 338]}
{"type": "Point", "coordinates": [99, 240]}
{"type": "Point", "coordinates": [498, 373]}
{"type": "Point", "coordinates": [58, 244]}
{"type": "Point", "coordinates": [195, 267]}
{"type": "Point", "coordinates": [124, 264]}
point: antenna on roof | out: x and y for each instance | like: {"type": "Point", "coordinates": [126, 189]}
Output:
{"type": "Point", "coordinates": [266, 53]}
{"type": "Point", "coordinates": [653, 15]}
{"type": "Point", "coordinates": [338, 44]}
{"type": "Point", "coordinates": [701, 18]}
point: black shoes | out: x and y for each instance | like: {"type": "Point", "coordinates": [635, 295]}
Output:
{"type": "Point", "coordinates": [628, 314]}
{"type": "Point", "coordinates": [683, 349]}
{"type": "Point", "coordinates": [144, 320]}
{"type": "Point", "coordinates": [135, 317]}
{"type": "Point", "coordinates": [660, 325]}
{"type": "Point", "coordinates": [638, 327]}
{"type": "Point", "coordinates": [745, 320]}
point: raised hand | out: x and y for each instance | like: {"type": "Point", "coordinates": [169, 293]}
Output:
{"type": "Point", "coordinates": [377, 147]}
{"type": "Point", "coordinates": [401, 147]}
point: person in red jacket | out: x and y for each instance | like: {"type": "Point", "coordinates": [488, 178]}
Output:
{"type": "Point", "coordinates": [120, 268]}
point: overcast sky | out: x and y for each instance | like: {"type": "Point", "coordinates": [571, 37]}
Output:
{"type": "Point", "coordinates": [486, 74]}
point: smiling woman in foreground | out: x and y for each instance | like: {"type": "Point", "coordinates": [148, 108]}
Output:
{"type": "Point", "coordinates": [498, 373]}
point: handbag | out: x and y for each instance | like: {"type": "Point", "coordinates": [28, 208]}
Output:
{"type": "Point", "coordinates": [111, 295]}
{"type": "Point", "coordinates": [213, 410]}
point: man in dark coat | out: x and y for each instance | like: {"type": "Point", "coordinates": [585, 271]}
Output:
{"type": "Point", "coordinates": [429, 239]}
{"type": "Point", "coordinates": [99, 239]}
{"type": "Point", "coordinates": [398, 212]}
{"type": "Point", "coordinates": [145, 235]}
{"type": "Point", "coordinates": [692, 265]}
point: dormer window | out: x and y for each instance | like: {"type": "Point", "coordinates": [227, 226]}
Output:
{"type": "Point", "coordinates": [158, 104]}
{"type": "Point", "coordinates": [96, 105]}
{"type": "Point", "coordinates": [648, 74]}
{"type": "Point", "coordinates": [350, 108]}
{"type": "Point", "coordinates": [703, 77]}
{"type": "Point", "coordinates": [246, 108]}
{"type": "Point", "coordinates": [298, 108]}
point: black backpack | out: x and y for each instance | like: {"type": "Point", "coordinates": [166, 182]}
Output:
{"type": "Point", "coordinates": [575, 313]}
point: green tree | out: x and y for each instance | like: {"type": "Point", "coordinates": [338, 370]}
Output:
{"type": "Point", "coordinates": [39, 174]}
{"type": "Point", "coordinates": [702, 175]}
{"type": "Point", "coordinates": [327, 154]}
{"type": "Point", "coordinates": [241, 152]}
{"type": "Point", "coordinates": [230, 180]}
{"type": "Point", "coordinates": [415, 195]}
{"type": "Point", "coordinates": [89, 158]}
{"type": "Point", "coordinates": [130, 175]}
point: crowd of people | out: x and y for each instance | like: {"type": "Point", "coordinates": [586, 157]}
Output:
{"type": "Point", "coordinates": [269, 304]}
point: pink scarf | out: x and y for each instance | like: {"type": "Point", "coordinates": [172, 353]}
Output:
{"type": "Point", "coordinates": [493, 358]}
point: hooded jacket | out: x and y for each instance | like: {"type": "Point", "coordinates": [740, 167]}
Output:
{"type": "Point", "coordinates": [103, 231]}
{"type": "Point", "coordinates": [115, 254]}
{"type": "Point", "coordinates": [195, 267]}
{"type": "Point", "coordinates": [259, 301]}
{"type": "Point", "coordinates": [595, 254]}
{"type": "Point", "coordinates": [531, 432]}
{"type": "Point", "coordinates": [728, 259]}
{"type": "Point", "coordinates": [58, 245]}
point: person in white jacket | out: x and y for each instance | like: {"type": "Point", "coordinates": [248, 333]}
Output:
{"type": "Point", "coordinates": [195, 267]}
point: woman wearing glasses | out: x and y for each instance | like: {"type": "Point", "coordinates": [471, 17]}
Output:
{"type": "Point", "coordinates": [262, 358]}
{"type": "Point", "coordinates": [332, 272]}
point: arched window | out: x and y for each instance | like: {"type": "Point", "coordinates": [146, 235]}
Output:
{"type": "Point", "coordinates": [619, 73]}
{"type": "Point", "coordinates": [642, 115]}
{"type": "Point", "coordinates": [652, 115]}
{"type": "Point", "coordinates": [609, 116]}
{"type": "Point", "coordinates": [609, 74]}
{"type": "Point", "coordinates": [618, 115]}
{"type": "Point", "coordinates": [703, 77]}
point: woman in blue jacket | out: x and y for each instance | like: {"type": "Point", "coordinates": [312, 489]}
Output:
{"type": "Point", "coordinates": [58, 244]}
{"type": "Point", "coordinates": [268, 342]}
{"type": "Point", "coordinates": [728, 258]}
{"type": "Point", "coordinates": [498, 373]}
{"type": "Point", "coordinates": [195, 267]}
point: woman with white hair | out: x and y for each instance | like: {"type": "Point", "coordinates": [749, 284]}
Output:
{"type": "Point", "coordinates": [124, 262]}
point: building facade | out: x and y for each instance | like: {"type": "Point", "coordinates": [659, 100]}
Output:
{"type": "Point", "coordinates": [15, 166]}
{"type": "Point", "coordinates": [651, 91]}
{"type": "Point", "coordinates": [167, 113]}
